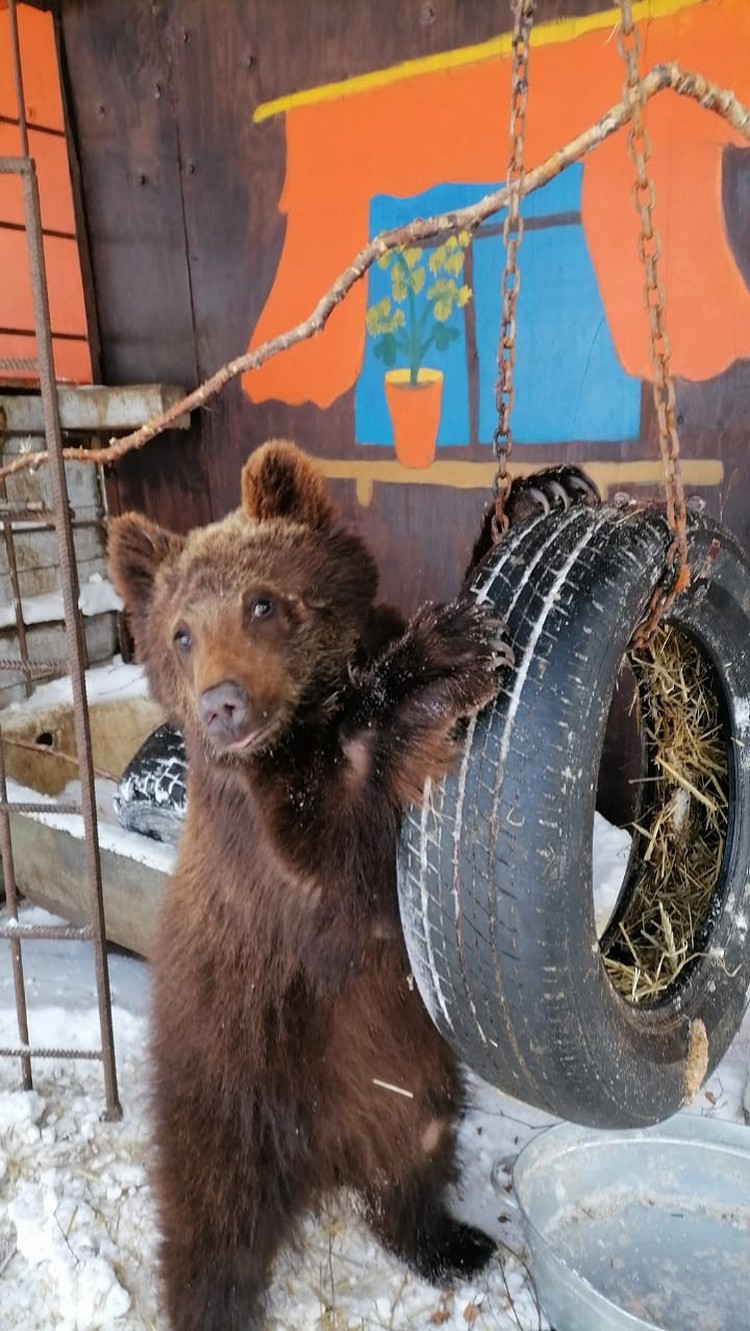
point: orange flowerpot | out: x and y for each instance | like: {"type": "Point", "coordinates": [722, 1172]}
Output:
{"type": "Point", "coordinates": [415, 414]}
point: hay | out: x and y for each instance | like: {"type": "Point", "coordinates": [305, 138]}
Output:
{"type": "Point", "coordinates": [680, 837]}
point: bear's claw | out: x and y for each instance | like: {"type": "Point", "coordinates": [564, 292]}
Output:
{"type": "Point", "coordinates": [465, 645]}
{"type": "Point", "coordinates": [457, 1251]}
{"type": "Point", "coordinates": [556, 487]}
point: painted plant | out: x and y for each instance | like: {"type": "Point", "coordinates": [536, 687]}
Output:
{"type": "Point", "coordinates": [426, 288]}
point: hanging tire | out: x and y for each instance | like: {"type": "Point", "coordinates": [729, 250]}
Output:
{"type": "Point", "coordinates": [495, 869]}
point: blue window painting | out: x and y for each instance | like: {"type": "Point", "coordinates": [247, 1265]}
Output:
{"type": "Point", "coordinates": [569, 384]}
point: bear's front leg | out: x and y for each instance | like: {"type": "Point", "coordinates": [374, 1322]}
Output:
{"type": "Point", "coordinates": [444, 667]}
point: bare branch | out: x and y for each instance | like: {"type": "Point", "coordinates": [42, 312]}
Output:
{"type": "Point", "coordinates": [684, 82]}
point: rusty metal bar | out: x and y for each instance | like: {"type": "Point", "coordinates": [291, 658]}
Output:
{"type": "Point", "coordinates": [19, 364]}
{"type": "Point", "coordinates": [70, 594]}
{"type": "Point", "coordinates": [76, 644]}
{"type": "Point", "coordinates": [24, 1051]}
{"type": "Point", "coordinates": [16, 510]}
{"type": "Point", "coordinates": [23, 644]}
{"type": "Point", "coordinates": [15, 587]}
{"type": "Point", "coordinates": [59, 667]}
{"type": "Point", "coordinates": [7, 531]}
{"type": "Point", "coordinates": [15, 47]}
{"type": "Point", "coordinates": [36, 806]}
{"type": "Point", "coordinates": [11, 897]}
{"type": "Point", "coordinates": [59, 932]}
{"type": "Point", "coordinates": [14, 166]}
{"type": "Point", "coordinates": [42, 517]}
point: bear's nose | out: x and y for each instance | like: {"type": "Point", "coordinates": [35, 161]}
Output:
{"type": "Point", "coordinates": [223, 709]}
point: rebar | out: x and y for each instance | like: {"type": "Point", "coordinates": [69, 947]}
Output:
{"type": "Point", "coordinates": [25, 168]}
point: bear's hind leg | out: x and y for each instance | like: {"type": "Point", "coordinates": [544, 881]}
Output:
{"type": "Point", "coordinates": [212, 1287]}
{"type": "Point", "coordinates": [221, 1293]}
{"type": "Point", "coordinates": [226, 1205]}
{"type": "Point", "coordinates": [412, 1221]}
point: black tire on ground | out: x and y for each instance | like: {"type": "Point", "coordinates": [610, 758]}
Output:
{"type": "Point", "coordinates": [495, 870]}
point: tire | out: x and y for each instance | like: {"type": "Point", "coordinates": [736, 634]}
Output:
{"type": "Point", "coordinates": [151, 794]}
{"type": "Point", "coordinates": [495, 869]}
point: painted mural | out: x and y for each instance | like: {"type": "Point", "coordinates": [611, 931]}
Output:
{"type": "Point", "coordinates": [431, 135]}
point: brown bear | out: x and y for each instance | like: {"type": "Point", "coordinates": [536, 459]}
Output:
{"type": "Point", "coordinates": [292, 1053]}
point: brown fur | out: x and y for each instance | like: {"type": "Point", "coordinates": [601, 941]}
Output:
{"type": "Point", "coordinates": [282, 995]}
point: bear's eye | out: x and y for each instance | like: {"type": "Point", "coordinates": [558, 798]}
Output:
{"type": "Point", "coordinates": [262, 608]}
{"type": "Point", "coordinates": [182, 639]}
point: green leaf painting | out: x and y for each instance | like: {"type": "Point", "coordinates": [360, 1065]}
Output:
{"type": "Point", "coordinates": [426, 288]}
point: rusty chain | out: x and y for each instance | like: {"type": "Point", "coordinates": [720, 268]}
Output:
{"type": "Point", "coordinates": [502, 440]}
{"type": "Point", "coordinates": [644, 197]}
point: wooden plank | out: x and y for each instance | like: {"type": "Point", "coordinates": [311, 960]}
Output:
{"type": "Point", "coordinates": [118, 728]}
{"type": "Point", "coordinates": [93, 409]}
{"type": "Point", "coordinates": [129, 150]}
{"type": "Point", "coordinates": [130, 154]}
{"type": "Point", "coordinates": [50, 861]}
{"type": "Point", "coordinates": [51, 872]}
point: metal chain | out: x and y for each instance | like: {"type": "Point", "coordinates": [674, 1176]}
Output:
{"type": "Point", "coordinates": [644, 197]}
{"type": "Point", "coordinates": [502, 440]}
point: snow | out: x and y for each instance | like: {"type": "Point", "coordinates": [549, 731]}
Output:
{"type": "Point", "coordinates": [609, 862]}
{"type": "Point", "coordinates": [96, 597]}
{"type": "Point", "coordinates": [116, 681]}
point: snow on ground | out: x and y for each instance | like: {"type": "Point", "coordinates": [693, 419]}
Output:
{"type": "Point", "coordinates": [77, 1228]}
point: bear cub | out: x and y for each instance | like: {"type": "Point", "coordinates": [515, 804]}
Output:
{"type": "Point", "coordinates": [292, 1054]}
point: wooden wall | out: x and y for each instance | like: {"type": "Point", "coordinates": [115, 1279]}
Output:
{"type": "Point", "coordinates": [181, 192]}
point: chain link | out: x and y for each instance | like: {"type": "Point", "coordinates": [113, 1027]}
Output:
{"type": "Point", "coordinates": [644, 198]}
{"type": "Point", "coordinates": [502, 440]}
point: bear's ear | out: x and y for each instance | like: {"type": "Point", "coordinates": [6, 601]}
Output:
{"type": "Point", "coordinates": [280, 481]}
{"type": "Point", "coordinates": [136, 550]}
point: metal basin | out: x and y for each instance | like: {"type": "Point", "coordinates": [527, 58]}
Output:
{"type": "Point", "coordinates": [645, 1229]}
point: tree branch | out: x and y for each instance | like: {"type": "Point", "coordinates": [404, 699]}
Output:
{"type": "Point", "coordinates": [684, 82]}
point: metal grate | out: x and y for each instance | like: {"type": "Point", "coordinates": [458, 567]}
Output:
{"type": "Point", "coordinates": [12, 930]}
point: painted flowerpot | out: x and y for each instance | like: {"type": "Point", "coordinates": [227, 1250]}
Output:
{"type": "Point", "coordinates": [415, 414]}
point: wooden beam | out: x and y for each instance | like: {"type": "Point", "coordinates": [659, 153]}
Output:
{"type": "Point", "coordinates": [92, 409]}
